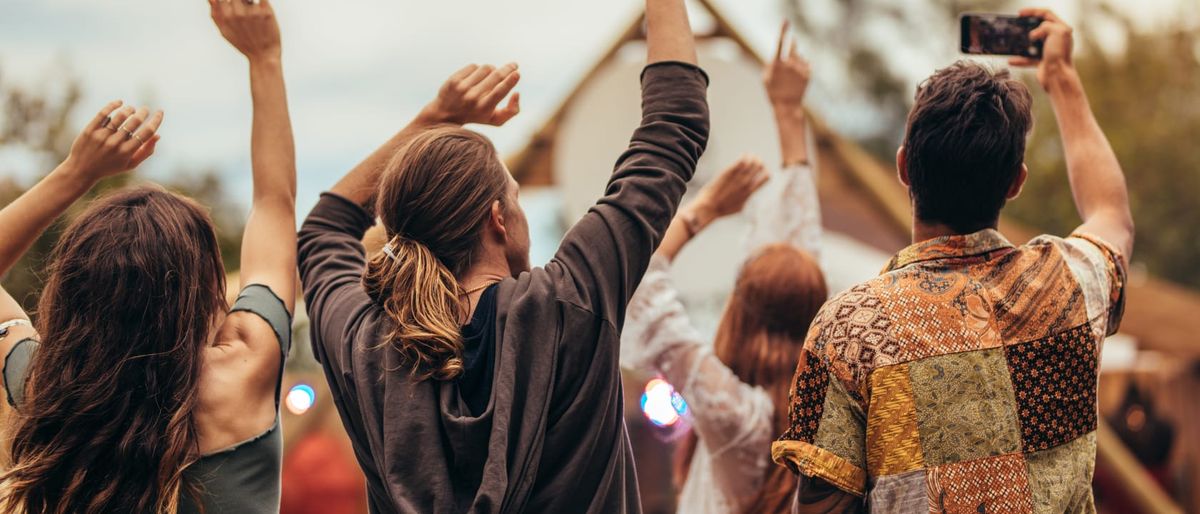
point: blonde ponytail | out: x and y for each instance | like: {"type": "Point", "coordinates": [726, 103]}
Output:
{"type": "Point", "coordinates": [434, 200]}
{"type": "Point", "coordinates": [421, 296]}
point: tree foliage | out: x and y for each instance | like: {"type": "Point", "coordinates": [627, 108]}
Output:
{"type": "Point", "coordinates": [36, 131]}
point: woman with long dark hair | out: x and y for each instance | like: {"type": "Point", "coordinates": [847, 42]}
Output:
{"type": "Point", "coordinates": [469, 381]}
{"type": "Point", "coordinates": [147, 393]}
{"type": "Point", "coordinates": [737, 390]}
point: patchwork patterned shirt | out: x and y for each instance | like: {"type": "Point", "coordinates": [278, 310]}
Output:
{"type": "Point", "coordinates": [962, 379]}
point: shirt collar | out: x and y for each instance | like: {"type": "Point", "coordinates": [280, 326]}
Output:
{"type": "Point", "coordinates": [950, 247]}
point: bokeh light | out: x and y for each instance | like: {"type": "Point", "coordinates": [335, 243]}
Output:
{"type": "Point", "coordinates": [300, 399]}
{"type": "Point", "coordinates": [661, 404]}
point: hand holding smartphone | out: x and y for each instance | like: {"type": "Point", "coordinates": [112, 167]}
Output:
{"type": "Point", "coordinates": [999, 34]}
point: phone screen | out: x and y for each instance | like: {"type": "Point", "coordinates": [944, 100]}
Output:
{"type": "Point", "coordinates": [998, 34]}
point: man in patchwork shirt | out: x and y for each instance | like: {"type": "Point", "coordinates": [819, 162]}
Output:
{"type": "Point", "coordinates": [963, 379]}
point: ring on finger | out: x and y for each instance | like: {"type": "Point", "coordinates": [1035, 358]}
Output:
{"type": "Point", "coordinates": [128, 133]}
{"type": "Point", "coordinates": [138, 138]}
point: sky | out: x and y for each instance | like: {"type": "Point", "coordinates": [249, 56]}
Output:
{"type": "Point", "coordinates": [357, 70]}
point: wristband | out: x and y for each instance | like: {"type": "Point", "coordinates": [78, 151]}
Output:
{"type": "Point", "coordinates": [12, 323]}
{"type": "Point", "coordinates": [691, 223]}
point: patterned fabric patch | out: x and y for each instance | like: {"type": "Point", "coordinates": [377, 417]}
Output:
{"type": "Point", "coordinates": [901, 493]}
{"type": "Point", "coordinates": [812, 461]}
{"type": "Point", "coordinates": [1055, 384]}
{"type": "Point", "coordinates": [808, 398]}
{"type": "Point", "coordinates": [1061, 478]}
{"type": "Point", "coordinates": [995, 484]}
{"type": "Point", "coordinates": [968, 360]}
{"type": "Point", "coordinates": [936, 312]}
{"type": "Point", "coordinates": [855, 338]}
{"type": "Point", "coordinates": [1035, 294]}
{"type": "Point", "coordinates": [842, 428]}
{"type": "Point", "coordinates": [965, 407]}
{"type": "Point", "coordinates": [893, 442]}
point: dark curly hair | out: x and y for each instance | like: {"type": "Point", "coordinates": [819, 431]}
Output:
{"type": "Point", "coordinates": [965, 144]}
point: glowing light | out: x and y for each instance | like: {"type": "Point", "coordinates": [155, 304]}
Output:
{"type": "Point", "coordinates": [300, 398]}
{"type": "Point", "coordinates": [661, 404]}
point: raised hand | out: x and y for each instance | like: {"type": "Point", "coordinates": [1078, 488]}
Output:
{"type": "Point", "coordinates": [786, 77]}
{"type": "Point", "coordinates": [473, 95]}
{"type": "Point", "coordinates": [1057, 45]}
{"type": "Point", "coordinates": [728, 193]}
{"type": "Point", "coordinates": [248, 26]}
{"type": "Point", "coordinates": [117, 140]}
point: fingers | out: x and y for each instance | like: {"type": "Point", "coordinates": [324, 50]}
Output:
{"type": "Point", "coordinates": [101, 118]}
{"type": "Point", "coordinates": [509, 111]}
{"type": "Point", "coordinates": [143, 132]}
{"type": "Point", "coordinates": [488, 90]}
{"type": "Point", "coordinates": [1022, 62]}
{"type": "Point", "coordinates": [462, 74]}
{"type": "Point", "coordinates": [499, 85]}
{"type": "Point", "coordinates": [117, 121]}
{"type": "Point", "coordinates": [144, 152]}
{"type": "Point", "coordinates": [783, 32]}
{"type": "Point", "coordinates": [127, 128]}
{"type": "Point", "coordinates": [794, 53]}
{"type": "Point", "coordinates": [475, 77]}
{"type": "Point", "coordinates": [1039, 12]}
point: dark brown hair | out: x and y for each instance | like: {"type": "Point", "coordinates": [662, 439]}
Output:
{"type": "Point", "coordinates": [761, 334]}
{"type": "Point", "coordinates": [134, 287]}
{"type": "Point", "coordinates": [435, 199]}
{"type": "Point", "coordinates": [965, 143]}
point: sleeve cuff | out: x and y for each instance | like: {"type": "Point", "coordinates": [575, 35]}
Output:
{"type": "Point", "coordinates": [674, 70]}
{"type": "Point", "coordinates": [344, 213]}
{"type": "Point", "coordinates": [812, 461]}
{"type": "Point", "coordinates": [1104, 246]}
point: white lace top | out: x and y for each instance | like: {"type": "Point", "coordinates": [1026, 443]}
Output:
{"type": "Point", "coordinates": [731, 418]}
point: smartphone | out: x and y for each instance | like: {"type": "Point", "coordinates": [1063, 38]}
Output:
{"type": "Point", "coordinates": [999, 34]}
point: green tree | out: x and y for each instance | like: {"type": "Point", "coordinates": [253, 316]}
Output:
{"type": "Point", "coordinates": [38, 124]}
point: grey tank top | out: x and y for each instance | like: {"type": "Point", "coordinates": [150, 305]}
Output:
{"type": "Point", "coordinates": [241, 479]}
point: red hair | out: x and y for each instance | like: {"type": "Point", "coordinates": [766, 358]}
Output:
{"type": "Point", "coordinates": [778, 293]}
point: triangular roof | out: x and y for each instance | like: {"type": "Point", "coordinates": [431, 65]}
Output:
{"type": "Point", "coordinates": [1158, 313]}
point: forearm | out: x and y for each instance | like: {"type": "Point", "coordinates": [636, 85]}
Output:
{"type": "Point", "coordinates": [24, 220]}
{"type": "Point", "coordinates": [1097, 182]}
{"type": "Point", "coordinates": [792, 124]}
{"type": "Point", "coordinates": [679, 234]}
{"type": "Point", "coordinates": [360, 184]}
{"type": "Point", "coordinates": [272, 147]}
{"type": "Point", "coordinates": [668, 32]}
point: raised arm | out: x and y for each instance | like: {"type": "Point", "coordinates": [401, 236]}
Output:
{"type": "Point", "coordinates": [786, 80]}
{"type": "Point", "coordinates": [668, 32]}
{"type": "Point", "coordinates": [1097, 181]}
{"type": "Point", "coordinates": [472, 95]}
{"type": "Point", "coordinates": [332, 257]}
{"type": "Point", "coordinates": [117, 140]}
{"type": "Point", "coordinates": [269, 241]}
{"type": "Point", "coordinates": [724, 196]}
{"type": "Point", "coordinates": [792, 212]}
{"type": "Point", "coordinates": [602, 258]}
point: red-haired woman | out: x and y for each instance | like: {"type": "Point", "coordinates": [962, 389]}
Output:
{"type": "Point", "coordinates": [147, 393]}
{"type": "Point", "coordinates": [737, 390]}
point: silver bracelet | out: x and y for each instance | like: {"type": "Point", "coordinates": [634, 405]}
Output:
{"type": "Point", "coordinates": [12, 323]}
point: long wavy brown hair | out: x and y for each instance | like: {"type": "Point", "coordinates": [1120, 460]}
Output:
{"type": "Point", "coordinates": [435, 198]}
{"type": "Point", "coordinates": [761, 334]}
{"type": "Point", "coordinates": [134, 287]}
